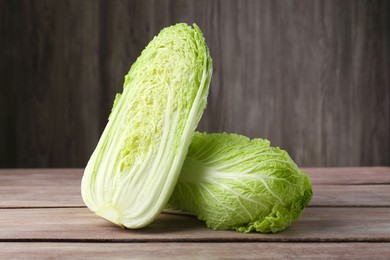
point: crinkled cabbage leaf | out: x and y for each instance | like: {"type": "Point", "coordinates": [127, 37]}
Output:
{"type": "Point", "coordinates": [232, 182]}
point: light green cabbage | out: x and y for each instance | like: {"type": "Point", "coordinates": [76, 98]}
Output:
{"type": "Point", "coordinates": [134, 168]}
{"type": "Point", "coordinates": [232, 182]}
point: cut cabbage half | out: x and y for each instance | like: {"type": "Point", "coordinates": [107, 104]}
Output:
{"type": "Point", "coordinates": [134, 168]}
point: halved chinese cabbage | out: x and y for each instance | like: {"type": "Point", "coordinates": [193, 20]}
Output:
{"type": "Point", "coordinates": [134, 168]}
{"type": "Point", "coordinates": [232, 182]}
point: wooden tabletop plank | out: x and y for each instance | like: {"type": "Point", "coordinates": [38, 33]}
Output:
{"type": "Point", "coordinates": [351, 196]}
{"type": "Point", "coordinates": [271, 250]}
{"type": "Point", "coordinates": [34, 177]}
{"type": "Point", "coordinates": [40, 188]}
{"type": "Point", "coordinates": [45, 196]}
{"type": "Point", "coordinates": [48, 195]}
{"type": "Point", "coordinates": [61, 188]}
{"type": "Point", "coordinates": [79, 224]}
{"type": "Point", "coordinates": [340, 175]}
{"type": "Point", "coordinates": [349, 175]}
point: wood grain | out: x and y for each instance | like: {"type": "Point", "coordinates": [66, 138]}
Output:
{"type": "Point", "coordinates": [311, 76]}
{"type": "Point", "coordinates": [61, 187]}
{"type": "Point", "coordinates": [8, 80]}
{"type": "Point", "coordinates": [80, 224]}
{"type": "Point", "coordinates": [194, 250]}
{"type": "Point", "coordinates": [351, 196]}
{"type": "Point", "coordinates": [349, 175]}
{"type": "Point", "coordinates": [333, 227]}
{"type": "Point", "coordinates": [54, 60]}
{"type": "Point", "coordinates": [27, 196]}
{"type": "Point", "coordinates": [321, 176]}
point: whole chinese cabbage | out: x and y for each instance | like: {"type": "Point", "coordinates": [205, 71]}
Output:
{"type": "Point", "coordinates": [232, 182]}
{"type": "Point", "coordinates": [134, 168]}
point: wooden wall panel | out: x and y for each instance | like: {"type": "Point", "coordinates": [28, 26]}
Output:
{"type": "Point", "coordinates": [55, 61]}
{"type": "Point", "coordinates": [8, 75]}
{"type": "Point", "coordinates": [311, 76]}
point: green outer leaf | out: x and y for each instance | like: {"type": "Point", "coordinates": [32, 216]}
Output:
{"type": "Point", "coordinates": [134, 168]}
{"type": "Point", "coordinates": [232, 182]}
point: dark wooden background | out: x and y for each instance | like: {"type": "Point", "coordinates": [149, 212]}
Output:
{"type": "Point", "coordinates": [311, 76]}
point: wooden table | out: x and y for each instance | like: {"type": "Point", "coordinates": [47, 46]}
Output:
{"type": "Point", "coordinates": [42, 216]}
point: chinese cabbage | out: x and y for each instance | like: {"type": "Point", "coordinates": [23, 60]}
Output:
{"type": "Point", "coordinates": [134, 168]}
{"type": "Point", "coordinates": [232, 182]}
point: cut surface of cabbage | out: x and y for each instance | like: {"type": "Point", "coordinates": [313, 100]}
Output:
{"type": "Point", "coordinates": [134, 168]}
